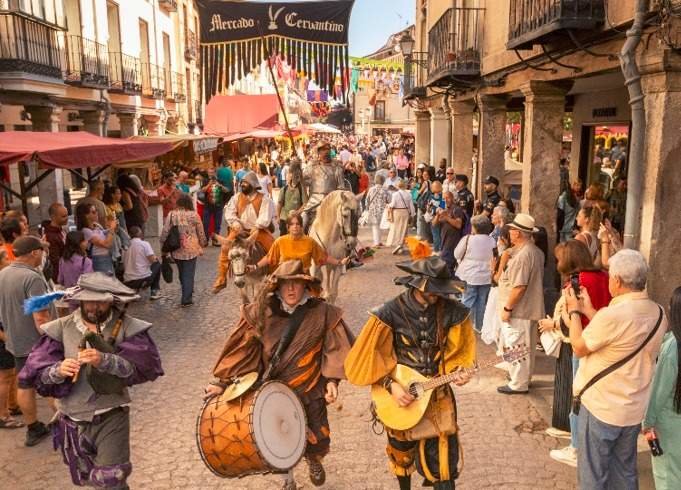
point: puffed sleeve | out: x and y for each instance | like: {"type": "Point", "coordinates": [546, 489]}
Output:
{"type": "Point", "coordinates": [460, 348]}
{"type": "Point", "coordinates": [241, 354]}
{"type": "Point", "coordinates": [337, 344]}
{"type": "Point", "coordinates": [372, 357]}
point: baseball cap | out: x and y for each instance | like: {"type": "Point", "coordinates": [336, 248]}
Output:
{"type": "Point", "coordinates": [26, 244]}
{"type": "Point", "coordinates": [491, 180]}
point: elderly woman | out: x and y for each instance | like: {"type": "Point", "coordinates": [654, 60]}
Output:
{"type": "Point", "coordinates": [500, 216]}
{"type": "Point", "coordinates": [474, 255]}
{"type": "Point", "coordinates": [401, 209]}
{"type": "Point", "coordinates": [376, 200]}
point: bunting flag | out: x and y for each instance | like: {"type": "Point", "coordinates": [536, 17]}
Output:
{"type": "Point", "coordinates": [312, 37]}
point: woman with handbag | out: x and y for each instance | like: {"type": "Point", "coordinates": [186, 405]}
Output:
{"type": "Point", "coordinates": [400, 211]}
{"type": "Point", "coordinates": [575, 264]}
{"type": "Point", "coordinates": [376, 200]}
{"type": "Point", "coordinates": [183, 227]}
{"type": "Point", "coordinates": [422, 201]}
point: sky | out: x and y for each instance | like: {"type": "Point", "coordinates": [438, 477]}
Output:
{"type": "Point", "coordinates": [373, 21]}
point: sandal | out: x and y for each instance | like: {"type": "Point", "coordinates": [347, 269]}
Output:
{"type": "Point", "coordinates": [10, 423]}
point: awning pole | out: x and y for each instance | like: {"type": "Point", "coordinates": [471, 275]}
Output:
{"type": "Point", "coordinates": [22, 188]}
{"type": "Point", "coordinates": [276, 88]}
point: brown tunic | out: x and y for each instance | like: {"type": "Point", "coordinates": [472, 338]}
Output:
{"type": "Point", "coordinates": [315, 355]}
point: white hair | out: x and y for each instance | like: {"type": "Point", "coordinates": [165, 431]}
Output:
{"type": "Point", "coordinates": [630, 267]}
{"type": "Point", "coordinates": [504, 213]}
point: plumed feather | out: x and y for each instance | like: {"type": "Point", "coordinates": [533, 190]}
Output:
{"type": "Point", "coordinates": [39, 303]}
{"type": "Point", "coordinates": [418, 249]}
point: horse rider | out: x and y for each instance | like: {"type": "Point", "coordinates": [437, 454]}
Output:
{"type": "Point", "coordinates": [247, 213]}
{"type": "Point", "coordinates": [425, 330]}
{"type": "Point", "coordinates": [86, 361]}
{"type": "Point", "coordinates": [290, 336]}
{"type": "Point", "coordinates": [320, 178]}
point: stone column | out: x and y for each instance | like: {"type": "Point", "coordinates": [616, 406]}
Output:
{"type": "Point", "coordinates": [422, 137]}
{"type": "Point", "coordinates": [492, 137]}
{"type": "Point", "coordinates": [51, 188]}
{"type": "Point", "coordinates": [660, 200]}
{"type": "Point", "coordinates": [93, 121]}
{"type": "Point", "coordinates": [154, 124]}
{"type": "Point", "coordinates": [129, 122]}
{"type": "Point", "coordinates": [462, 136]}
{"type": "Point", "coordinates": [440, 135]}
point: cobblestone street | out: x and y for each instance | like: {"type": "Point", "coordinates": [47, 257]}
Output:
{"type": "Point", "coordinates": [503, 439]}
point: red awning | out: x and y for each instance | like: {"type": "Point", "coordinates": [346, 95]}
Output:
{"type": "Point", "coordinates": [75, 150]}
{"type": "Point", "coordinates": [232, 114]}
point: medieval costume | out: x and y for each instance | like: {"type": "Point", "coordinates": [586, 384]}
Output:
{"type": "Point", "coordinates": [313, 358]}
{"type": "Point", "coordinates": [434, 339]}
{"type": "Point", "coordinates": [246, 214]}
{"type": "Point", "coordinates": [320, 179]}
{"type": "Point", "coordinates": [92, 425]}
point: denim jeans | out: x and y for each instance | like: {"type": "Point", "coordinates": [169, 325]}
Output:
{"type": "Point", "coordinates": [606, 459]}
{"type": "Point", "coordinates": [435, 229]}
{"type": "Point", "coordinates": [475, 299]}
{"type": "Point", "coordinates": [574, 418]}
{"type": "Point", "coordinates": [103, 263]}
{"type": "Point", "coordinates": [186, 270]}
{"type": "Point", "coordinates": [212, 213]}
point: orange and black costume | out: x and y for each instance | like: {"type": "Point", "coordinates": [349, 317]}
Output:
{"type": "Point", "coordinates": [313, 358]}
{"type": "Point", "coordinates": [433, 340]}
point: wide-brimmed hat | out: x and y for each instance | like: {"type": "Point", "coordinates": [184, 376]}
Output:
{"type": "Point", "coordinates": [523, 222]}
{"type": "Point", "coordinates": [429, 275]}
{"type": "Point", "coordinates": [252, 179]}
{"type": "Point", "coordinates": [323, 144]}
{"type": "Point", "coordinates": [97, 286]}
{"type": "Point", "coordinates": [291, 270]}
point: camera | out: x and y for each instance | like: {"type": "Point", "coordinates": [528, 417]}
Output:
{"type": "Point", "coordinates": [574, 282]}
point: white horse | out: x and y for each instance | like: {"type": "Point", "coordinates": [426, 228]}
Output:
{"type": "Point", "coordinates": [335, 229]}
{"type": "Point", "coordinates": [245, 252]}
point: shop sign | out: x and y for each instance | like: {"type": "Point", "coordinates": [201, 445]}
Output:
{"type": "Point", "coordinates": [603, 112]}
{"type": "Point", "coordinates": [204, 145]}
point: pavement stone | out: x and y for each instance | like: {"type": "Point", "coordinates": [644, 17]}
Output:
{"type": "Point", "coordinates": [502, 437]}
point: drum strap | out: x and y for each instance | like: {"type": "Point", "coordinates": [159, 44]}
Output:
{"type": "Point", "coordinates": [294, 321]}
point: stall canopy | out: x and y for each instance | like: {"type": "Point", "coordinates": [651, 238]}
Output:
{"type": "Point", "coordinates": [231, 114]}
{"type": "Point", "coordinates": [198, 144]}
{"type": "Point", "coordinates": [322, 128]}
{"type": "Point", "coordinates": [74, 150]}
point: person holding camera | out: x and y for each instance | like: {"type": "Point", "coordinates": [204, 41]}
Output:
{"type": "Point", "coordinates": [616, 365]}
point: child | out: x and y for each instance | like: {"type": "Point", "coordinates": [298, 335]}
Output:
{"type": "Point", "coordinates": [435, 206]}
{"type": "Point", "coordinates": [74, 262]}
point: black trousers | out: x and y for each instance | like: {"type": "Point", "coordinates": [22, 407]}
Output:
{"type": "Point", "coordinates": [153, 281]}
{"type": "Point", "coordinates": [431, 459]}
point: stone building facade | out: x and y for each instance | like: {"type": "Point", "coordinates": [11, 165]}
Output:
{"type": "Point", "coordinates": [555, 63]}
{"type": "Point", "coordinates": [110, 67]}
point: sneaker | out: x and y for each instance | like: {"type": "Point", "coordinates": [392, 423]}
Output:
{"type": "Point", "coordinates": [560, 434]}
{"type": "Point", "coordinates": [187, 305]}
{"type": "Point", "coordinates": [35, 433]}
{"type": "Point", "coordinates": [317, 473]}
{"type": "Point", "coordinates": [567, 455]}
{"type": "Point", "coordinates": [155, 295]}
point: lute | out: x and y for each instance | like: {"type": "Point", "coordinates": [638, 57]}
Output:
{"type": "Point", "coordinates": [421, 388]}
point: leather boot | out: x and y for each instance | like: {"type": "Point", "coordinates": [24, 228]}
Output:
{"type": "Point", "coordinates": [444, 485]}
{"type": "Point", "coordinates": [405, 482]}
{"type": "Point", "coordinates": [223, 269]}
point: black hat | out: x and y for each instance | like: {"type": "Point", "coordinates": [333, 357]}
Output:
{"type": "Point", "coordinates": [24, 245]}
{"type": "Point", "coordinates": [429, 275]}
{"type": "Point", "coordinates": [492, 180]}
{"type": "Point", "coordinates": [461, 177]}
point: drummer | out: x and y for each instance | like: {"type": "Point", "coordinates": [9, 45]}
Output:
{"type": "Point", "coordinates": [311, 364]}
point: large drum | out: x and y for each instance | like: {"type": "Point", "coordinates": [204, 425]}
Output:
{"type": "Point", "coordinates": [263, 431]}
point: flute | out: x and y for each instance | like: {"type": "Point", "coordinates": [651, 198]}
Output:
{"type": "Point", "coordinates": [81, 347]}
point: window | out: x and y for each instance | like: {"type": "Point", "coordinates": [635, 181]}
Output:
{"type": "Point", "coordinates": [379, 110]}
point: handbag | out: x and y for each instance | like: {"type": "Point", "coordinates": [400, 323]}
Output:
{"type": "Point", "coordinates": [166, 269]}
{"type": "Point", "coordinates": [577, 399]}
{"type": "Point", "coordinates": [172, 241]}
{"type": "Point", "coordinates": [551, 342]}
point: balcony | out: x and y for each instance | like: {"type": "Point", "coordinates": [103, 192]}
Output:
{"type": "Point", "coordinates": [31, 47]}
{"type": "Point", "coordinates": [178, 92]}
{"type": "Point", "coordinates": [454, 47]}
{"type": "Point", "coordinates": [87, 63]}
{"type": "Point", "coordinates": [125, 75]}
{"type": "Point", "coordinates": [415, 76]}
{"type": "Point", "coordinates": [191, 46]}
{"type": "Point", "coordinates": [543, 21]}
{"type": "Point", "coordinates": [168, 5]}
{"type": "Point", "coordinates": [153, 81]}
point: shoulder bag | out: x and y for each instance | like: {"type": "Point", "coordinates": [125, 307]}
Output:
{"type": "Point", "coordinates": [577, 399]}
{"type": "Point", "coordinates": [172, 241]}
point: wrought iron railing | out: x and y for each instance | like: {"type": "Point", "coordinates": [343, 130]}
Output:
{"type": "Point", "coordinates": [87, 63]}
{"type": "Point", "coordinates": [191, 47]}
{"type": "Point", "coordinates": [454, 44]}
{"type": "Point", "coordinates": [530, 20]}
{"type": "Point", "coordinates": [415, 74]}
{"type": "Point", "coordinates": [29, 46]}
{"type": "Point", "coordinates": [178, 92]}
{"type": "Point", "coordinates": [153, 81]}
{"type": "Point", "coordinates": [125, 73]}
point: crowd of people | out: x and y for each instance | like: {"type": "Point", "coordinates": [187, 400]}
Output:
{"type": "Point", "coordinates": [491, 257]}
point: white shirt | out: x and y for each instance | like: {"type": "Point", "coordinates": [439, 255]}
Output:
{"type": "Point", "coordinates": [450, 186]}
{"type": "Point", "coordinates": [249, 220]}
{"type": "Point", "coordinates": [401, 199]}
{"type": "Point", "coordinates": [391, 182]}
{"type": "Point", "coordinates": [135, 260]}
{"type": "Point", "coordinates": [473, 253]}
{"type": "Point", "coordinates": [345, 156]}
